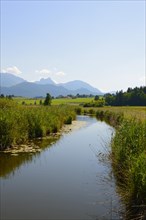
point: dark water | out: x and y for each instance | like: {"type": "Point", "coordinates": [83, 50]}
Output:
{"type": "Point", "coordinates": [71, 179]}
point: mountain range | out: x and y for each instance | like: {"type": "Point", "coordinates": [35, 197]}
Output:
{"type": "Point", "coordinates": [14, 85]}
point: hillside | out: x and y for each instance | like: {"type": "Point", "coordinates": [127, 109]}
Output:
{"type": "Point", "coordinates": [13, 85]}
{"type": "Point", "coordinates": [8, 79]}
{"type": "Point", "coordinates": [78, 85]}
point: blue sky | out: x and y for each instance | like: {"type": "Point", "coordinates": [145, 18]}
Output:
{"type": "Point", "coordinates": [100, 42]}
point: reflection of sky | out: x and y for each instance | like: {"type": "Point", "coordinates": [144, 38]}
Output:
{"type": "Point", "coordinates": [66, 181]}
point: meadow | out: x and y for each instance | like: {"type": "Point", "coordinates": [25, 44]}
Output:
{"type": "Point", "coordinates": [56, 101]}
{"type": "Point", "coordinates": [128, 111]}
{"type": "Point", "coordinates": [138, 112]}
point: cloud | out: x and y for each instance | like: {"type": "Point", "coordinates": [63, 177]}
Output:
{"type": "Point", "coordinates": [48, 73]}
{"type": "Point", "coordinates": [60, 73]}
{"type": "Point", "coordinates": [43, 71]}
{"type": "Point", "coordinates": [13, 70]}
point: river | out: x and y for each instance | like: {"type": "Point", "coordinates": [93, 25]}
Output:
{"type": "Point", "coordinates": [69, 179]}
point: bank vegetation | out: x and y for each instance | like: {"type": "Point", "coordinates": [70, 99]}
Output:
{"type": "Point", "coordinates": [22, 123]}
{"type": "Point", "coordinates": [129, 160]}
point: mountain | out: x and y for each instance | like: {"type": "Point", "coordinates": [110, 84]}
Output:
{"type": "Point", "coordinates": [83, 91]}
{"type": "Point", "coordinates": [43, 81]}
{"type": "Point", "coordinates": [8, 79]}
{"type": "Point", "coordinates": [78, 85]}
{"type": "Point", "coordinates": [13, 85]}
{"type": "Point", "coordinates": [27, 89]}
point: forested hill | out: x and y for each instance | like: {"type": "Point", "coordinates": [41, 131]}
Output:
{"type": "Point", "coordinates": [132, 97]}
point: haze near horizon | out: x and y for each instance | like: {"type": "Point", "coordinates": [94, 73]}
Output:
{"type": "Point", "coordinates": [99, 42]}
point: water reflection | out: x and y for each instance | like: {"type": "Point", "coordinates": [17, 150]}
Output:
{"type": "Point", "coordinates": [10, 163]}
{"type": "Point", "coordinates": [66, 181]}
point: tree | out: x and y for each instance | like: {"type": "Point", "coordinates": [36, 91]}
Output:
{"type": "Point", "coordinates": [133, 97]}
{"type": "Point", "coordinates": [119, 98]}
{"type": "Point", "coordinates": [2, 96]}
{"type": "Point", "coordinates": [23, 103]}
{"type": "Point", "coordinates": [48, 99]}
{"type": "Point", "coordinates": [109, 99]}
{"type": "Point", "coordinates": [96, 98]}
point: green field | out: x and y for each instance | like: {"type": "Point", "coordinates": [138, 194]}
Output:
{"type": "Point", "coordinates": [76, 101]}
{"type": "Point", "coordinates": [27, 101]}
{"type": "Point", "coordinates": [138, 112]}
{"type": "Point", "coordinates": [129, 111]}
{"type": "Point", "coordinates": [73, 101]}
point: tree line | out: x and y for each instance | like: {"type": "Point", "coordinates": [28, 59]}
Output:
{"type": "Point", "coordinates": [132, 97]}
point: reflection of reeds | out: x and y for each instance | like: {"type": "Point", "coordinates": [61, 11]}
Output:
{"type": "Point", "coordinates": [129, 161]}
{"type": "Point", "coordinates": [9, 164]}
{"type": "Point", "coordinates": [106, 176]}
{"type": "Point", "coordinates": [10, 161]}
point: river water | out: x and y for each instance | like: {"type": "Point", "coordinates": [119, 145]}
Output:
{"type": "Point", "coordinates": [70, 179]}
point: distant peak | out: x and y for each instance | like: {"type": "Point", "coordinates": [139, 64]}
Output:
{"type": "Point", "coordinates": [44, 81]}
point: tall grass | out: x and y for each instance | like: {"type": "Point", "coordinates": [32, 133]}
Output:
{"type": "Point", "coordinates": [129, 161]}
{"type": "Point", "coordinates": [21, 123]}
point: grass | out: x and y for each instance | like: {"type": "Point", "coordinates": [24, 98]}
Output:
{"type": "Point", "coordinates": [128, 111]}
{"type": "Point", "coordinates": [129, 160]}
{"type": "Point", "coordinates": [28, 101]}
{"type": "Point", "coordinates": [60, 101]}
{"type": "Point", "coordinates": [76, 101]}
{"type": "Point", "coordinates": [21, 123]}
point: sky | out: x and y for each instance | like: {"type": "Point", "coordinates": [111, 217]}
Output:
{"type": "Point", "coordinates": [99, 42]}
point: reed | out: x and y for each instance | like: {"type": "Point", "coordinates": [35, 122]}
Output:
{"type": "Point", "coordinates": [129, 161]}
{"type": "Point", "coordinates": [21, 123]}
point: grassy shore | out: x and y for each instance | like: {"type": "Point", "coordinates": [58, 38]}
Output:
{"type": "Point", "coordinates": [21, 123]}
{"type": "Point", "coordinates": [129, 160]}
{"type": "Point", "coordinates": [138, 112]}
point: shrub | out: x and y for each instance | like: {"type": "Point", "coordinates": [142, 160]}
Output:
{"type": "Point", "coordinates": [68, 120]}
{"type": "Point", "coordinates": [78, 111]}
{"type": "Point", "coordinates": [91, 111]}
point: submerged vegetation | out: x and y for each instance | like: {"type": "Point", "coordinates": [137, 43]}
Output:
{"type": "Point", "coordinates": [129, 160]}
{"type": "Point", "coordinates": [22, 123]}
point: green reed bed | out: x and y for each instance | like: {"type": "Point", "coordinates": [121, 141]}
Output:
{"type": "Point", "coordinates": [129, 161]}
{"type": "Point", "coordinates": [21, 123]}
